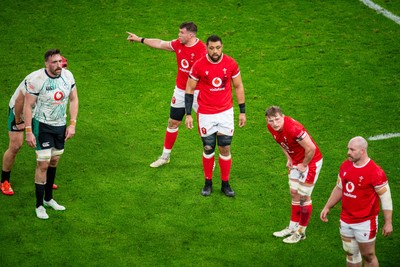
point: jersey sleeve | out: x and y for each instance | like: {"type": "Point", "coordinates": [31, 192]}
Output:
{"type": "Point", "coordinates": [174, 44]}
{"type": "Point", "coordinates": [342, 172]}
{"type": "Point", "coordinates": [235, 68]}
{"type": "Point", "coordinates": [71, 78]}
{"type": "Point", "coordinates": [298, 131]}
{"type": "Point", "coordinates": [295, 130]}
{"type": "Point", "coordinates": [32, 86]}
{"type": "Point", "coordinates": [380, 178]}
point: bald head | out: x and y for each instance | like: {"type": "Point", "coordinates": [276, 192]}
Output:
{"type": "Point", "coordinates": [357, 150]}
{"type": "Point", "coordinates": [360, 142]}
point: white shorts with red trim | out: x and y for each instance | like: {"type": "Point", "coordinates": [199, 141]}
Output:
{"type": "Point", "coordinates": [216, 123]}
{"type": "Point", "coordinates": [310, 176]}
{"type": "Point", "coordinates": [363, 232]}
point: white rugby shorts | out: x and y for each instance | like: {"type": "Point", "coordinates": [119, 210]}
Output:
{"type": "Point", "coordinates": [222, 122]}
{"type": "Point", "coordinates": [363, 232]}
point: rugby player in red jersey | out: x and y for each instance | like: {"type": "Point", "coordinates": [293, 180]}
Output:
{"type": "Point", "coordinates": [304, 162]}
{"type": "Point", "coordinates": [188, 49]}
{"type": "Point", "coordinates": [361, 186]}
{"type": "Point", "coordinates": [213, 75]}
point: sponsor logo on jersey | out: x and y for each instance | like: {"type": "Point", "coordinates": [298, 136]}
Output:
{"type": "Point", "coordinates": [217, 82]}
{"type": "Point", "coordinates": [349, 188]}
{"type": "Point", "coordinates": [184, 63]}
{"type": "Point", "coordinates": [184, 70]}
{"type": "Point", "coordinates": [218, 85]}
{"type": "Point", "coordinates": [58, 95]}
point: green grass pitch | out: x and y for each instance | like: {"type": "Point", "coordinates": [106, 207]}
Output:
{"type": "Point", "coordinates": [332, 65]}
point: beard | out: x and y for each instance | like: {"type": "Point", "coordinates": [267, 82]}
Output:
{"type": "Point", "coordinates": [352, 159]}
{"type": "Point", "coordinates": [215, 57]}
{"type": "Point", "coordinates": [56, 72]}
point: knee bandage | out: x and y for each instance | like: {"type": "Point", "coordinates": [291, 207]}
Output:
{"type": "Point", "coordinates": [209, 143]}
{"type": "Point", "coordinates": [56, 152]}
{"type": "Point", "coordinates": [353, 251]}
{"type": "Point", "coordinates": [293, 184]}
{"type": "Point", "coordinates": [43, 155]}
{"type": "Point", "coordinates": [305, 190]}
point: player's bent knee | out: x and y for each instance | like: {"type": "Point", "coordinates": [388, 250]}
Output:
{"type": "Point", "coordinates": [209, 144]}
{"type": "Point", "coordinates": [208, 150]}
{"type": "Point", "coordinates": [354, 259]}
{"type": "Point", "coordinates": [305, 190]}
{"type": "Point", "coordinates": [173, 124]}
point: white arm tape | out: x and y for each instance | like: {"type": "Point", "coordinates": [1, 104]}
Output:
{"type": "Point", "coordinates": [339, 183]}
{"type": "Point", "coordinates": [386, 199]}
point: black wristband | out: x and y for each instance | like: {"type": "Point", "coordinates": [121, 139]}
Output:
{"type": "Point", "coordinates": [188, 103]}
{"type": "Point", "coordinates": [18, 123]}
{"type": "Point", "coordinates": [142, 40]}
{"type": "Point", "coordinates": [242, 108]}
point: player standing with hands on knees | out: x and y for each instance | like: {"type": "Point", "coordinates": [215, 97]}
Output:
{"type": "Point", "coordinates": [49, 90]}
{"type": "Point", "coordinates": [304, 162]}
{"type": "Point", "coordinates": [361, 185]}
{"type": "Point", "coordinates": [188, 49]}
{"type": "Point", "coordinates": [213, 75]}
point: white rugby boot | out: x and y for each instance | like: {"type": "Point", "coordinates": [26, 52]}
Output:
{"type": "Point", "coordinates": [52, 203]}
{"type": "Point", "coordinates": [283, 233]}
{"type": "Point", "coordinates": [159, 162]}
{"type": "Point", "coordinates": [41, 213]}
{"type": "Point", "coordinates": [294, 238]}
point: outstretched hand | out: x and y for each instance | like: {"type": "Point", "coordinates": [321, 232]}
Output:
{"type": "Point", "coordinates": [132, 37]}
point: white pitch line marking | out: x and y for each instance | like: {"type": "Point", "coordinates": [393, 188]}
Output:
{"type": "Point", "coordinates": [381, 10]}
{"type": "Point", "coordinates": [383, 136]}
